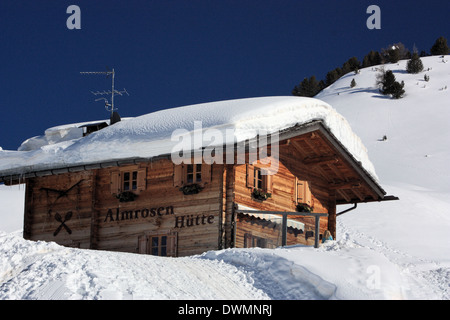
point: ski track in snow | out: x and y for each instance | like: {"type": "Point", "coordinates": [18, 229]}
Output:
{"type": "Point", "coordinates": [415, 270]}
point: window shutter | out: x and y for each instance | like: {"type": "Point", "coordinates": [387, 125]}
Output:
{"type": "Point", "coordinates": [308, 197]}
{"type": "Point", "coordinates": [300, 191]}
{"type": "Point", "coordinates": [267, 181]}
{"type": "Point", "coordinates": [304, 192]}
{"type": "Point", "coordinates": [250, 176]}
{"type": "Point", "coordinates": [172, 244]}
{"type": "Point", "coordinates": [115, 182]}
{"type": "Point", "coordinates": [142, 179]}
{"type": "Point", "coordinates": [206, 173]}
{"type": "Point", "coordinates": [142, 244]}
{"type": "Point", "coordinates": [178, 176]}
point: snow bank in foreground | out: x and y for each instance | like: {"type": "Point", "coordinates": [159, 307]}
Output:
{"type": "Point", "coordinates": [42, 270]}
{"type": "Point", "coordinates": [150, 135]}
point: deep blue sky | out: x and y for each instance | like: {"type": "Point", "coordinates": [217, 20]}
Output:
{"type": "Point", "coordinates": [170, 53]}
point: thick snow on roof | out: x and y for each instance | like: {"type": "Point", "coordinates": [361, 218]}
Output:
{"type": "Point", "coordinates": [151, 134]}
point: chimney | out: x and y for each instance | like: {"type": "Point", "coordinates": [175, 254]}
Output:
{"type": "Point", "coordinates": [114, 118]}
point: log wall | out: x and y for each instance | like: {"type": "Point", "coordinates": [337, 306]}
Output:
{"type": "Point", "coordinates": [283, 190]}
{"type": "Point", "coordinates": [100, 221]}
{"type": "Point", "coordinates": [81, 209]}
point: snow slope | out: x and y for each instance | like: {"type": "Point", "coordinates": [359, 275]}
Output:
{"type": "Point", "coordinates": [413, 162]}
{"type": "Point", "coordinates": [391, 250]}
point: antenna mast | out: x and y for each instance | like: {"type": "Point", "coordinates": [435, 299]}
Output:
{"type": "Point", "coordinates": [113, 92]}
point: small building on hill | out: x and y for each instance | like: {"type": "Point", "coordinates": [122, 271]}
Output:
{"type": "Point", "coordinates": [260, 172]}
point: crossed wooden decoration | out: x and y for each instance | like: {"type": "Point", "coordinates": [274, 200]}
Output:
{"type": "Point", "coordinates": [68, 215]}
{"type": "Point", "coordinates": [63, 222]}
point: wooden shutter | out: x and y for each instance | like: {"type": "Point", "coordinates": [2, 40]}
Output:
{"type": "Point", "coordinates": [304, 192]}
{"type": "Point", "coordinates": [267, 181]}
{"type": "Point", "coordinates": [299, 190]}
{"type": "Point", "coordinates": [142, 244]}
{"type": "Point", "coordinates": [178, 175]}
{"type": "Point", "coordinates": [141, 179]}
{"type": "Point", "coordinates": [250, 176]}
{"type": "Point", "coordinates": [206, 173]}
{"type": "Point", "coordinates": [307, 196]}
{"type": "Point", "coordinates": [115, 182]}
{"type": "Point", "coordinates": [172, 244]}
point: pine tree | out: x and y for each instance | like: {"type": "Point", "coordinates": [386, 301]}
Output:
{"type": "Point", "coordinates": [351, 65]}
{"type": "Point", "coordinates": [440, 47]}
{"type": "Point", "coordinates": [373, 58]}
{"type": "Point", "coordinates": [397, 90]}
{"type": "Point", "coordinates": [389, 86]}
{"type": "Point", "coordinates": [332, 76]}
{"type": "Point", "coordinates": [307, 88]}
{"type": "Point", "coordinates": [387, 83]}
{"type": "Point", "coordinates": [395, 52]}
{"type": "Point", "coordinates": [414, 65]}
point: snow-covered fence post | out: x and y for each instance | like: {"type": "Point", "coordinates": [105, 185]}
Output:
{"type": "Point", "coordinates": [284, 230]}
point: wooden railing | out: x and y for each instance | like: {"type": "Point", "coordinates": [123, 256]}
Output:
{"type": "Point", "coordinates": [284, 222]}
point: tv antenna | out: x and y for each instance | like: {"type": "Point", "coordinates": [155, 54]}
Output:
{"type": "Point", "coordinates": [108, 106]}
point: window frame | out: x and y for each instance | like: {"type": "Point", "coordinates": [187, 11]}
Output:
{"type": "Point", "coordinates": [253, 241]}
{"type": "Point", "coordinates": [196, 173]}
{"type": "Point", "coordinates": [258, 182]}
{"type": "Point", "coordinates": [180, 174]}
{"type": "Point", "coordinates": [131, 181]}
{"type": "Point", "coordinates": [119, 181]}
{"type": "Point", "coordinates": [170, 248]}
{"type": "Point", "coordinates": [266, 179]}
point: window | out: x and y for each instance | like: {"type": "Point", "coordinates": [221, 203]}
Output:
{"type": "Point", "coordinates": [158, 246]}
{"type": "Point", "coordinates": [194, 173]}
{"type": "Point", "coordinates": [128, 179]}
{"type": "Point", "coordinates": [186, 174]}
{"type": "Point", "coordinates": [251, 241]}
{"type": "Point", "coordinates": [257, 179]}
{"type": "Point", "coordinates": [161, 244]}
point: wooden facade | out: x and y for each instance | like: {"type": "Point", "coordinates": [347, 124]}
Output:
{"type": "Point", "coordinates": [152, 206]}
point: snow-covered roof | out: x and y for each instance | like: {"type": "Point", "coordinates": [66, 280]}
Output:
{"type": "Point", "coordinates": [150, 135]}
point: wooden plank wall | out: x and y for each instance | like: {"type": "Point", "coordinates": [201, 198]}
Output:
{"type": "Point", "coordinates": [283, 193]}
{"type": "Point", "coordinates": [100, 221]}
{"type": "Point", "coordinates": [270, 231]}
{"type": "Point", "coordinates": [45, 201]}
{"type": "Point", "coordinates": [122, 234]}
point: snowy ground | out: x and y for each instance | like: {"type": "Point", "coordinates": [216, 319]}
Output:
{"type": "Point", "coordinates": [392, 250]}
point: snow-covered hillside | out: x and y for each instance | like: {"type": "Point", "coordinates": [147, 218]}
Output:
{"type": "Point", "coordinates": [389, 250]}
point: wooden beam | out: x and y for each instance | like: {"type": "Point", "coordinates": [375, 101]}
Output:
{"type": "Point", "coordinates": [309, 136]}
{"type": "Point", "coordinates": [336, 171]}
{"type": "Point", "coordinates": [343, 195]}
{"type": "Point", "coordinates": [321, 160]}
{"type": "Point", "coordinates": [297, 147]}
{"type": "Point", "coordinates": [346, 185]}
{"type": "Point", "coordinates": [358, 194]}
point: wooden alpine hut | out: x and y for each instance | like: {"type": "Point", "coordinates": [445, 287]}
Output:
{"type": "Point", "coordinates": [253, 172]}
